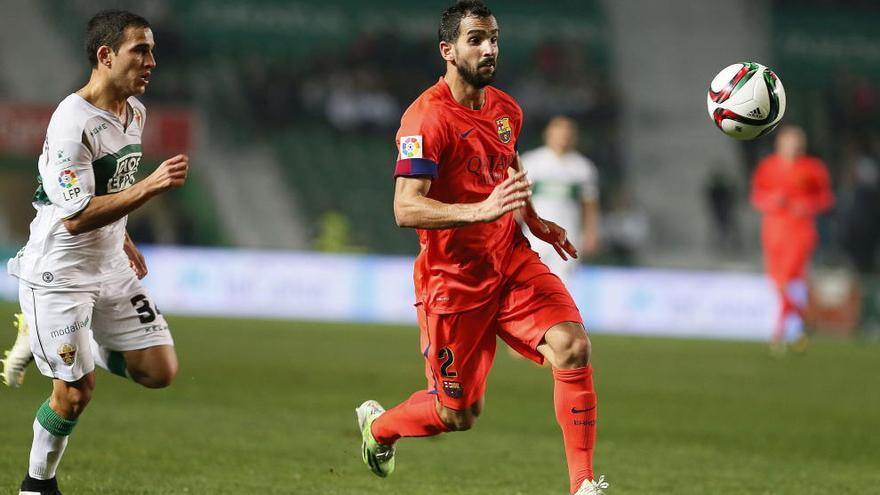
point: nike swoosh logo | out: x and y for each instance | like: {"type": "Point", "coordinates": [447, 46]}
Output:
{"type": "Point", "coordinates": [578, 411]}
{"type": "Point", "coordinates": [465, 133]}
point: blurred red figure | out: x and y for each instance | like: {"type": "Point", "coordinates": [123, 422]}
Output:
{"type": "Point", "coordinates": [790, 188]}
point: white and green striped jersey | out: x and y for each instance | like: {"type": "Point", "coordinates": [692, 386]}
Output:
{"type": "Point", "coordinates": [88, 152]}
{"type": "Point", "coordinates": [560, 184]}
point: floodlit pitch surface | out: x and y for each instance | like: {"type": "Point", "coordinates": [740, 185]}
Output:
{"type": "Point", "coordinates": [268, 407]}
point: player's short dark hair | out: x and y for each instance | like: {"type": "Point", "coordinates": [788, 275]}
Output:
{"type": "Point", "coordinates": [450, 21]}
{"type": "Point", "coordinates": [108, 28]}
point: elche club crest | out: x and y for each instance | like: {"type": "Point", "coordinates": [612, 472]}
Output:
{"type": "Point", "coordinates": [67, 352]}
{"type": "Point", "coordinates": [502, 125]}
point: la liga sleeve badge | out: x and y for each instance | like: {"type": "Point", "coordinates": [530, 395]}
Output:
{"type": "Point", "coordinates": [410, 147]}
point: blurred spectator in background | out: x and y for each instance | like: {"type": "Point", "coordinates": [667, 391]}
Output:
{"type": "Point", "coordinates": [625, 228]}
{"type": "Point", "coordinates": [357, 99]}
{"type": "Point", "coordinates": [352, 90]}
{"type": "Point", "coordinates": [558, 81]}
{"type": "Point", "coordinates": [334, 234]}
{"type": "Point", "coordinates": [852, 102]}
{"type": "Point", "coordinates": [859, 207]}
{"type": "Point", "coordinates": [565, 187]}
{"type": "Point", "coordinates": [790, 189]}
{"type": "Point", "coordinates": [721, 199]}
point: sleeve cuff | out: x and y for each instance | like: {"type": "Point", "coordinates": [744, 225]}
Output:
{"type": "Point", "coordinates": [70, 213]}
{"type": "Point", "coordinates": [415, 167]}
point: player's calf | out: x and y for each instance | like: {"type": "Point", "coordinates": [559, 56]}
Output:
{"type": "Point", "coordinates": [69, 399]}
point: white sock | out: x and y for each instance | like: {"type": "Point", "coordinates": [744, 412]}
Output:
{"type": "Point", "coordinates": [46, 452]}
{"type": "Point", "coordinates": [797, 291]}
{"type": "Point", "coordinates": [794, 322]}
{"type": "Point", "coordinates": [794, 326]}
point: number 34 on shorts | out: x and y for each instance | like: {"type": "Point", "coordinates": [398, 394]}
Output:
{"type": "Point", "coordinates": [118, 313]}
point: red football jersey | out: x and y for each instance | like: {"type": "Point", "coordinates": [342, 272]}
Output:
{"type": "Point", "coordinates": [790, 196]}
{"type": "Point", "coordinates": [466, 153]}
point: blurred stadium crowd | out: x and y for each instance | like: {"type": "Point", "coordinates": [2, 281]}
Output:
{"type": "Point", "coordinates": [322, 86]}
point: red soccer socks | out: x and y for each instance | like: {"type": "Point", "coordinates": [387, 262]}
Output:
{"type": "Point", "coordinates": [575, 400]}
{"type": "Point", "coordinates": [415, 417]}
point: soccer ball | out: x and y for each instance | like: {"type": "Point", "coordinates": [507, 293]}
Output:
{"type": "Point", "coordinates": [746, 100]}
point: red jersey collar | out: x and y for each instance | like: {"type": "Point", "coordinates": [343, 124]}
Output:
{"type": "Point", "coordinates": [448, 92]}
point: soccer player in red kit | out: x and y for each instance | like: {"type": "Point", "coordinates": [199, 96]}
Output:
{"type": "Point", "coordinates": [790, 189]}
{"type": "Point", "coordinates": [458, 181]}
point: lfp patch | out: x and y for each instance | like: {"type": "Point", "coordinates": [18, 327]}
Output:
{"type": "Point", "coordinates": [67, 179]}
{"type": "Point", "coordinates": [411, 147]}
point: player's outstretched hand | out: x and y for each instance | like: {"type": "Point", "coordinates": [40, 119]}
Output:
{"type": "Point", "coordinates": [506, 197]}
{"type": "Point", "coordinates": [554, 235]}
{"type": "Point", "coordinates": [170, 174]}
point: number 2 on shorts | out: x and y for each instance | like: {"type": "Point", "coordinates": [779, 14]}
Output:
{"type": "Point", "coordinates": [448, 358]}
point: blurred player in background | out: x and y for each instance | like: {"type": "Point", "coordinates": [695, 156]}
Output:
{"type": "Point", "coordinates": [458, 181]}
{"type": "Point", "coordinates": [790, 188]}
{"type": "Point", "coordinates": [79, 290]}
{"type": "Point", "coordinates": [565, 187]}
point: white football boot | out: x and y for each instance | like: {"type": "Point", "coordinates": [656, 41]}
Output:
{"type": "Point", "coordinates": [18, 357]}
{"type": "Point", "coordinates": [380, 458]}
{"type": "Point", "coordinates": [592, 487]}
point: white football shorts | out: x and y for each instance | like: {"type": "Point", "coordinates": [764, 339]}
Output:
{"type": "Point", "coordinates": [560, 267]}
{"type": "Point", "coordinates": [118, 313]}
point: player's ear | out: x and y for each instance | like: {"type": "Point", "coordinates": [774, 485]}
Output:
{"type": "Point", "coordinates": [104, 56]}
{"type": "Point", "coordinates": [446, 51]}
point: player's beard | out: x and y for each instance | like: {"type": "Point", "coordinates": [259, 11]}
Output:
{"type": "Point", "coordinates": [474, 78]}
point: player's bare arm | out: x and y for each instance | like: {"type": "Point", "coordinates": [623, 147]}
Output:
{"type": "Point", "coordinates": [412, 207]}
{"type": "Point", "coordinates": [590, 216]}
{"type": "Point", "coordinates": [135, 258]}
{"type": "Point", "coordinates": [543, 229]}
{"type": "Point", "coordinates": [104, 210]}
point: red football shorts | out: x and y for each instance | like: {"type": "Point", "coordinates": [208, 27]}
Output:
{"type": "Point", "coordinates": [788, 259]}
{"type": "Point", "coordinates": [459, 348]}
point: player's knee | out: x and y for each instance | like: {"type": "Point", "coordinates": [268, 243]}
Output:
{"type": "Point", "coordinates": [457, 420]}
{"type": "Point", "coordinates": [154, 367]}
{"type": "Point", "coordinates": [577, 353]}
{"type": "Point", "coordinates": [570, 345]}
{"type": "Point", "coordinates": [461, 423]}
{"type": "Point", "coordinates": [158, 376]}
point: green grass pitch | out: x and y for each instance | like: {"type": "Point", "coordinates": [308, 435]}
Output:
{"type": "Point", "coordinates": [268, 407]}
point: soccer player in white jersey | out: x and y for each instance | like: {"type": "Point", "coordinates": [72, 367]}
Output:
{"type": "Point", "coordinates": [79, 290]}
{"type": "Point", "coordinates": [565, 185]}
